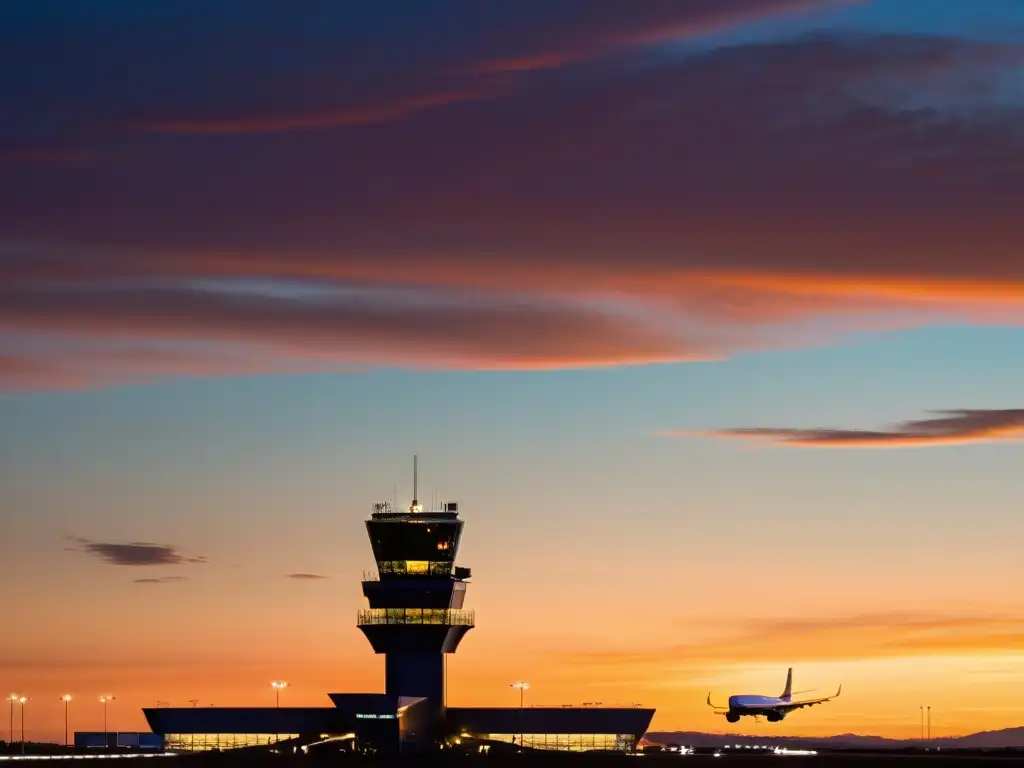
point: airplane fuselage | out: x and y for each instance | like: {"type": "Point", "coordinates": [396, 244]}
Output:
{"type": "Point", "coordinates": [754, 702]}
{"type": "Point", "coordinates": [758, 706]}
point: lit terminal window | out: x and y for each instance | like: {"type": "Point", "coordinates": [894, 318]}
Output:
{"type": "Point", "coordinates": [569, 742]}
{"type": "Point", "coordinates": [202, 742]}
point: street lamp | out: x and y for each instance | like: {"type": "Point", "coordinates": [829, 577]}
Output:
{"type": "Point", "coordinates": [66, 698]}
{"type": "Point", "coordinates": [104, 700]}
{"type": "Point", "coordinates": [22, 700]}
{"type": "Point", "coordinates": [12, 698]}
{"type": "Point", "coordinates": [277, 685]}
{"type": "Point", "coordinates": [522, 686]}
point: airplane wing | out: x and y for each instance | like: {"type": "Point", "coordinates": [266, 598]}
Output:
{"type": "Point", "coordinates": [807, 702]}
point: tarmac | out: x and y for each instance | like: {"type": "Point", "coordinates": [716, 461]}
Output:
{"type": "Point", "coordinates": [707, 758]}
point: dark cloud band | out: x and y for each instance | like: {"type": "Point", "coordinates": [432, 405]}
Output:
{"type": "Point", "coordinates": [139, 553]}
{"type": "Point", "coordinates": [952, 427]}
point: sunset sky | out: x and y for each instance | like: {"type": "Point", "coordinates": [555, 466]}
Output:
{"type": "Point", "coordinates": [710, 314]}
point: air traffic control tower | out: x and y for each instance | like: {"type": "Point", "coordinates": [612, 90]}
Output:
{"type": "Point", "coordinates": [415, 618]}
{"type": "Point", "coordinates": [415, 615]}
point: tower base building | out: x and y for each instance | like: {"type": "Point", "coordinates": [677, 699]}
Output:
{"type": "Point", "coordinates": [416, 616]}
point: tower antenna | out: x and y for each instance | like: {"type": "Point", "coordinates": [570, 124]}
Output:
{"type": "Point", "coordinates": [415, 481]}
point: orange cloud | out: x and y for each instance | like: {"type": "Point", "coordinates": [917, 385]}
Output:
{"type": "Point", "coordinates": [867, 636]}
{"type": "Point", "coordinates": [743, 295]}
{"type": "Point", "coordinates": [902, 289]}
{"type": "Point", "coordinates": [487, 315]}
{"type": "Point", "coordinates": [250, 331]}
{"type": "Point", "coordinates": [952, 427]}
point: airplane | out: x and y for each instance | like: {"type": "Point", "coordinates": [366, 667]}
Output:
{"type": "Point", "coordinates": [770, 707]}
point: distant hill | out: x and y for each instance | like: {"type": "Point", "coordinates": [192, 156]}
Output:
{"type": "Point", "coordinates": [1008, 737]}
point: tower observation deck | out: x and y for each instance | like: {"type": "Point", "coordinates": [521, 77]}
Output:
{"type": "Point", "coordinates": [416, 596]}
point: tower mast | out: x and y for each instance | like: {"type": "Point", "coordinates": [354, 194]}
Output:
{"type": "Point", "coordinates": [415, 483]}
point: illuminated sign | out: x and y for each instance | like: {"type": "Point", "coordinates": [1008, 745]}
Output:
{"type": "Point", "coordinates": [365, 716]}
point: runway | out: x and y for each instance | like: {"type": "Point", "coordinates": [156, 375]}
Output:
{"type": "Point", "coordinates": [841, 759]}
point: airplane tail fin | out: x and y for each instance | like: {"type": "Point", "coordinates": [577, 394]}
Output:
{"type": "Point", "coordinates": [787, 692]}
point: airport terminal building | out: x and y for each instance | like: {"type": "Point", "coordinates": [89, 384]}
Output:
{"type": "Point", "coordinates": [415, 617]}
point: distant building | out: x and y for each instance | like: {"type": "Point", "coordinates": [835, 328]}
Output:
{"type": "Point", "coordinates": [415, 617]}
{"type": "Point", "coordinates": [121, 740]}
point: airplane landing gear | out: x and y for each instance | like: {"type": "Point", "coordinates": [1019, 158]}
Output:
{"type": "Point", "coordinates": [732, 717]}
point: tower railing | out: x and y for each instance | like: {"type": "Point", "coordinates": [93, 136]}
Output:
{"type": "Point", "coordinates": [435, 616]}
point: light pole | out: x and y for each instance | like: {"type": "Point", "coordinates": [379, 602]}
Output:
{"type": "Point", "coordinates": [922, 722]}
{"type": "Point", "coordinates": [192, 745]}
{"type": "Point", "coordinates": [277, 685]}
{"type": "Point", "coordinates": [22, 701]}
{"type": "Point", "coordinates": [522, 686]}
{"type": "Point", "coordinates": [106, 736]}
{"type": "Point", "coordinates": [929, 710]}
{"type": "Point", "coordinates": [12, 698]}
{"type": "Point", "coordinates": [66, 698]}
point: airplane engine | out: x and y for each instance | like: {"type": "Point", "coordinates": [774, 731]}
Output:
{"type": "Point", "coordinates": [732, 717]}
{"type": "Point", "coordinates": [774, 717]}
